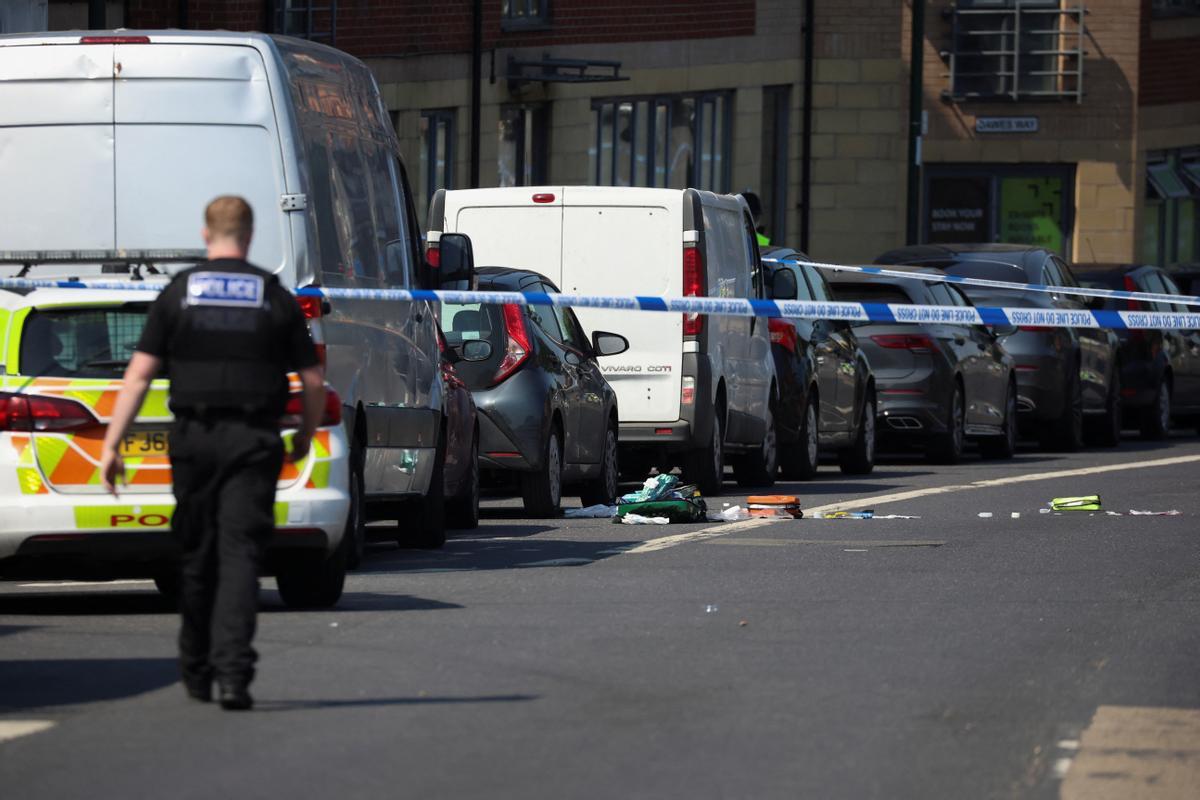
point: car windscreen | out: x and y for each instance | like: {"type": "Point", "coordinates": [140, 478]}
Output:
{"type": "Point", "coordinates": [465, 322]}
{"type": "Point", "coordinates": [988, 270]}
{"type": "Point", "coordinates": [80, 342]}
{"type": "Point", "coordinates": [870, 293]}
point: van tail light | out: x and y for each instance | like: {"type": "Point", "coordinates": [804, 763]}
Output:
{"type": "Point", "coordinates": [314, 309]}
{"type": "Point", "coordinates": [1131, 286]}
{"type": "Point", "coordinates": [694, 285]}
{"type": "Point", "coordinates": [114, 40]}
{"type": "Point", "coordinates": [783, 333]}
{"type": "Point", "coordinates": [913, 343]}
{"type": "Point", "coordinates": [1035, 329]}
{"type": "Point", "coordinates": [36, 413]}
{"type": "Point", "coordinates": [293, 412]}
{"type": "Point", "coordinates": [687, 391]}
{"type": "Point", "coordinates": [517, 346]}
{"type": "Point", "coordinates": [433, 255]}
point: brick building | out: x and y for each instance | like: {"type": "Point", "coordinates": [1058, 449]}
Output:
{"type": "Point", "coordinates": [1069, 123]}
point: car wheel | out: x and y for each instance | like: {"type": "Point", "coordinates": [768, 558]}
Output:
{"type": "Point", "coordinates": [1066, 433]}
{"type": "Point", "coordinates": [1005, 445]}
{"type": "Point", "coordinates": [947, 448]}
{"type": "Point", "coordinates": [859, 458]}
{"type": "Point", "coordinates": [542, 490]}
{"type": "Point", "coordinates": [463, 514]}
{"type": "Point", "coordinates": [706, 466]}
{"type": "Point", "coordinates": [1105, 431]}
{"type": "Point", "coordinates": [1156, 417]}
{"type": "Point", "coordinates": [313, 580]}
{"type": "Point", "coordinates": [799, 460]}
{"type": "Point", "coordinates": [605, 487]}
{"type": "Point", "coordinates": [759, 468]}
{"type": "Point", "coordinates": [356, 531]}
{"type": "Point", "coordinates": [431, 519]}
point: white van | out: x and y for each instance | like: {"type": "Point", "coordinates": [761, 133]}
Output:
{"type": "Point", "coordinates": [113, 142]}
{"type": "Point", "coordinates": [690, 387]}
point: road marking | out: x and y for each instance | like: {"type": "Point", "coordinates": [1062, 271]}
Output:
{"type": "Point", "coordinates": [16, 728]}
{"type": "Point", "coordinates": [64, 584]}
{"type": "Point", "coordinates": [858, 543]}
{"type": "Point", "coordinates": [558, 562]}
{"type": "Point", "coordinates": [662, 543]}
{"type": "Point", "coordinates": [1128, 751]}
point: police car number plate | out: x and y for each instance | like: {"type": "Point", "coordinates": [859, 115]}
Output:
{"type": "Point", "coordinates": [139, 444]}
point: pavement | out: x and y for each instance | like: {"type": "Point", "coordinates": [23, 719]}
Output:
{"type": "Point", "coordinates": [953, 655]}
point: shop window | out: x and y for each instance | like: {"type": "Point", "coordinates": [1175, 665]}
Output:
{"type": "Point", "coordinates": [1015, 49]}
{"type": "Point", "coordinates": [517, 14]}
{"type": "Point", "coordinates": [673, 141]}
{"type": "Point", "coordinates": [522, 146]}
{"type": "Point", "coordinates": [1018, 204]}
{"type": "Point", "coordinates": [1171, 215]}
{"type": "Point", "coordinates": [1166, 9]}
{"type": "Point", "coordinates": [437, 153]}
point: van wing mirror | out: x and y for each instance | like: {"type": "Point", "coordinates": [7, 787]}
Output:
{"type": "Point", "coordinates": [608, 344]}
{"type": "Point", "coordinates": [456, 262]}
{"type": "Point", "coordinates": [783, 284]}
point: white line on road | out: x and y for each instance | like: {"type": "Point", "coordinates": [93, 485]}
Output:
{"type": "Point", "coordinates": [654, 545]}
{"type": "Point", "coordinates": [64, 584]}
{"type": "Point", "coordinates": [15, 728]}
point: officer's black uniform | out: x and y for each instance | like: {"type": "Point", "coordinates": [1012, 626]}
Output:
{"type": "Point", "coordinates": [228, 334]}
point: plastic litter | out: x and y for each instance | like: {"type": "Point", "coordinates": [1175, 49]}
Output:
{"type": "Point", "coordinates": [868, 514]}
{"type": "Point", "coordinates": [985, 514]}
{"type": "Point", "coordinates": [1171, 513]}
{"type": "Point", "coordinates": [1015, 515]}
{"type": "Point", "coordinates": [711, 608]}
{"type": "Point", "coordinates": [774, 506]}
{"type": "Point", "coordinates": [1089, 502]}
{"type": "Point", "coordinates": [638, 519]}
{"type": "Point", "coordinates": [894, 516]}
{"type": "Point", "coordinates": [662, 496]}
{"type": "Point", "coordinates": [731, 514]}
{"type": "Point", "coordinates": [599, 511]}
{"type": "Point", "coordinates": [653, 488]}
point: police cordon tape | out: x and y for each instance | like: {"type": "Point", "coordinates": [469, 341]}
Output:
{"type": "Point", "coordinates": [933, 277]}
{"type": "Point", "coordinates": [737, 307]}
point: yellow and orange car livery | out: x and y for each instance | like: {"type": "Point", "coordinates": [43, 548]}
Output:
{"type": "Point", "coordinates": [52, 429]}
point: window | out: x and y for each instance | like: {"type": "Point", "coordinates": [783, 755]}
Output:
{"type": "Point", "coordinates": [1171, 218]}
{"type": "Point", "coordinates": [820, 287]}
{"type": "Point", "coordinates": [516, 14]}
{"type": "Point", "coordinates": [307, 20]}
{"type": "Point", "coordinates": [1021, 204]}
{"type": "Point", "coordinates": [777, 109]}
{"type": "Point", "coordinates": [571, 328]}
{"type": "Point", "coordinates": [1016, 49]}
{"type": "Point", "coordinates": [1165, 9]}
{"type": "Point", "coordinates": [674, 142]}
{"type": "Point", "coordinates": [522, 146]}
{"type": "Point", "coordinates": [437, 153]}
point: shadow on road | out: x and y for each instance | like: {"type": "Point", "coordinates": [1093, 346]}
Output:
{"type": "Point", "coordinates": [482, 552]}
{"type": "Point", "coordinates": [300, 705]}
{"type": "Point", "coordinates": [38, 683]}
{"type": "Point", "coordinates": [77, 604]}
{"type": "Point", "coordinates": [362, 601]}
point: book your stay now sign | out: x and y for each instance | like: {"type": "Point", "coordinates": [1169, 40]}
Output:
{"type": "Point", "coordinates": [1006, 124]}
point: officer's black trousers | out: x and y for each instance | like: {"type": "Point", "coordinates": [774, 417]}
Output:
{"type": "Point", "coordinates": [224, 474]}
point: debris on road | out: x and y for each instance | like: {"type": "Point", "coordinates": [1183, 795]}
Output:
{"type": "Point", "coordinates": [730, 514]}
{"type": "Point", "coordinates": [1089, 502]}
{"type": "Point", "coordinates": [774, 506]}
{"type": "Point", "coordinates": [711, 608]}
{"type": "Point", "coordinates": [985, 514]}
{"type": "Point", "coordinates": [653, 488]}
{"type": "Point", "coordinates": [599, 511]}
{"type": "Point", "coordinates": [663, 497]}
{"type": "Point", "coordinates": [868, 514]}
{"type": "Point", "coordinates": [638, 519]}
{"type": "Point", "coordinates": [1171, 513]}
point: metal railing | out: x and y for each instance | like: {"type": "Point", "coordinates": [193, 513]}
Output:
{"type": "Point", "coordinates": [1025, 52]}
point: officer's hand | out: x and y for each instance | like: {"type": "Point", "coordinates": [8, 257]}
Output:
{"type": "Point", "coordinates": [300, 443]}
{"type": "Point", "coordinates": [112, 469]}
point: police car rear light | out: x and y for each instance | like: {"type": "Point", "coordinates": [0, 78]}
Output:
{"type": "Point", "coordinates": [313, 307]}
{"type": "Point", "coordinates": [293, 412]}
{"type": "Point", "coordinates": [114, 40]}
{"type": "Point", "coordinates": [36, 413]}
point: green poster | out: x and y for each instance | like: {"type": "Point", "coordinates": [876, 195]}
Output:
{"type": "Point", "coordinates": [1031, 212]}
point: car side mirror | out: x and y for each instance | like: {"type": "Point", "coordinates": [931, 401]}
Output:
{"type": "Point", "coordinates": [1001, 330]}
{"type": "Point", "coordinates": [475, 350]}
{"type": "Point", "coordinates": [1095, 303]}
{"type": "Point", "coordinates": [455, 262]}
{"type": "Point", "coordinates": [608, 344]}
{"type": "Point", "coordinates": [783, 285]}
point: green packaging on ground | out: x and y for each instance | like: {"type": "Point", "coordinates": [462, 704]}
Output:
{"type": "Point", "coordinates": [1089, 502]}
{"type": "Point", "coordinates": [677, 511]}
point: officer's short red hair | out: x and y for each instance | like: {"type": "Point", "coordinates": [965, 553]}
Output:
{"type": "Point", "coordinates": [229, 216]}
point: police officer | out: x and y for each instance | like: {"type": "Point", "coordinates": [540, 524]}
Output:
{"type": "Point", "coordinates": [227, 334]}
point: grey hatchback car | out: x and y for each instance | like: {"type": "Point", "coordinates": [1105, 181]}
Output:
{"type": "Point", "coordinates": [937, 383]}
{"type": "Point", "coordinates": [1068, 381]}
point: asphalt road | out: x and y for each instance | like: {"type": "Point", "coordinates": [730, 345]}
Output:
{"type": "Point", "coordinates": [952, 655]}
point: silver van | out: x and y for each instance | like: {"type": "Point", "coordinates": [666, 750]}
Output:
{"type": "Point", "coordinates": [113, 142]}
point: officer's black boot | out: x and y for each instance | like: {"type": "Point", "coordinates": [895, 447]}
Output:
{"type": "Point", "coordinates": [234, 695]}
{"type": "Point", "coordinates": [199, 687]}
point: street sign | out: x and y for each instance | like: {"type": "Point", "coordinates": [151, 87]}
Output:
{"type": "Point", "coordinates": [1006, 124]}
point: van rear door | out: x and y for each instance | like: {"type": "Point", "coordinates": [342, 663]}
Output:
{"type": "Point", "coordinates": [56, 147]}
{"type": "Point", "coordinates": [625, 249]}
{"type": "Point", "coordinates": [194, 121]}
{"type": "Point", "coordinates": [509, 227]}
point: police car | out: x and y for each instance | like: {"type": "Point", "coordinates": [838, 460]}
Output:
{"type": "Point", "coordinates": [63, 354]}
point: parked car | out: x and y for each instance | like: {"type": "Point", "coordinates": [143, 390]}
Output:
{"type": "Point", "coordinates": [1062, 413]}
{"type": "Point", "coordinates": [1187, 278]}
{"type": "Point", "coordinates": [303, 134]}
{"type": "Point", "coordinates": [691, 387]}
{"type": "Point", "coordinates": [460, 474]}
{"type": "Point", "coordinates": [545, 410]}
{"type": "Point", "coordinates": [67, 350]}
{"type": "Point", "coordinates": [1160, 369]}
{"type": "Point", "coordinates": [938, 383]}
{"type": "Point", "coordinates": [826, 387]}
